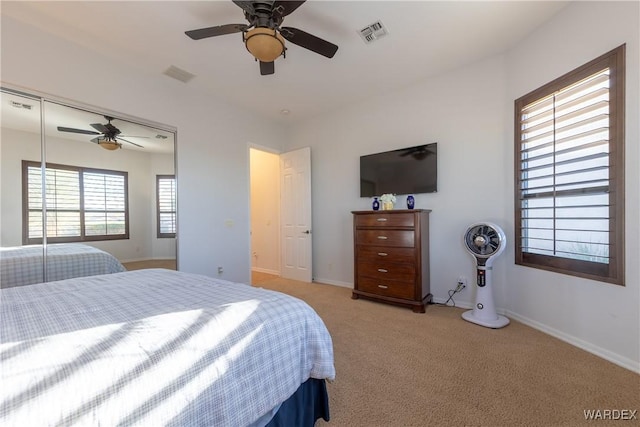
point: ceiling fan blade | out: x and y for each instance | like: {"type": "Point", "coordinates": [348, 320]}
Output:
{"type": "Point", "coordinates": [97, 139]}
{"type": "Point", "coordinates": [219, 30]}
{"type": "Point", "coordinates": [100, 127]}
{"type": "Point", "coordinates": [247, 6]}
{"type": "Point", "coordinates": [133, 143]}
{"type": "Point", "coordinates": [309, 41]}
{"type": "Point", "coordinates": [267, 68]}
{"type": "Point", "coordinates": [133, 136]}
{"type": "Point", "coordinates": [283, 8]}
{"type": "Point", "coordinates": [73, 130]}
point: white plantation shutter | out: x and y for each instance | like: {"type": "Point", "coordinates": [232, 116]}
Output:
{"type": "Point", "coordinates": [569, 163]}
{"type": "Point", "coordinates": [82, 204]}
{"type": "Point", "coordinates": [565, 172]}
{"type": "Point", "coordinates": [63, 202]}
{"type": "Point", "coordinates": [104, 204]}
{"type": "Point", "coordinates": [166, 205]}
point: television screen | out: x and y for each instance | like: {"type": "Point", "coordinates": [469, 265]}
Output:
{"type": "Point", "coordinates": [409, 170]}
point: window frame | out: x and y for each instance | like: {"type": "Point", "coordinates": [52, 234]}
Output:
{"type": "Point", "coordinates": [613, 272]}
{"type": "Point", "coordinates": [26, 240]}
{"type": "Point", "coordinates": [159, 234]}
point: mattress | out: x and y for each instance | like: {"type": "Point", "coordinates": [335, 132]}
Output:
{"type": "Point", "coordinates": [23, 265]}
{"type": "Point", "coordinates": [154, 347]}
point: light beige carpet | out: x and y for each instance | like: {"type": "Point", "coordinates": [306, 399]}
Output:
{"type": "Point", "coordinates": [398, 368]}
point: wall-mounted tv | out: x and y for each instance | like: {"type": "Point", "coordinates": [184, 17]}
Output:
{"type": "Point", "coordinates": [409, 170]}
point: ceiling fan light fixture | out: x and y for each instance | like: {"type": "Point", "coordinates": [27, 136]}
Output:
{"type": "Point", "coordinates": [109, 144]}
{"type": "Point", "coordinates": [264, 44]}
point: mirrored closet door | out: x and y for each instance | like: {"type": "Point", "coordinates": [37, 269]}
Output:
{"type": "Point", "coordinates": [109, 180]}
{"type": "Point", "coordinates": [20, 138]}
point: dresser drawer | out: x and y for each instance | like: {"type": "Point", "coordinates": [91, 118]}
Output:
{"type": "Point", "coordinates": [399, 238]}
{"type": "Point", "coordinates": [388, 288]}
{"type": "Point", "coordinates": [384, 253]}
{"type": "Point", "coordinates": [385, 220]}
{"type": "Point", "coordinates": [388, 270]}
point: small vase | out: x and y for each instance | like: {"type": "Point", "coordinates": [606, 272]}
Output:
{"type": "Point", "coordinates": [387, 206]}
{"type": "Point", "coordinates": [411, 202]}
{"type": "Point", "coordinates": [376, 204]}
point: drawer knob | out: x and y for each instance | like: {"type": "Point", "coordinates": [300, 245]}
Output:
{"type": "Point", "coordinates": [382, 237]}
{"type": "Point", "coordinates": [382, 270]}
{"type": "Point", "coordinates": [381, 219]}
{"type": "Point", "coordinates": [383, 286]}
{"type": "Point", "coordinates": [382, 254]}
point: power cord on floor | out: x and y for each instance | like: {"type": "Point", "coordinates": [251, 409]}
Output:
{"type": "Point", "coordinates": [459, 287]}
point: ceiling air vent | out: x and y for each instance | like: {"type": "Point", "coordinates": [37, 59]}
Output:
{"type": "Point", "coordinates": [20, 105]}
{"type": "Point", "coordinates": [179, 74]}
{"type": "Point", "coordinates": [373, 32]}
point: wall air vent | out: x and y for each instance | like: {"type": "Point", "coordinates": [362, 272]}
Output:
{"type": "Point", "coordinates": [373, 32]}
{"type": "Point", "coordinates": [20, 105]}
{"type": "Point", "coordinates": [179, 74]}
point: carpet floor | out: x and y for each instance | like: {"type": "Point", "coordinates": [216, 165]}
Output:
{"type": "Point", "coordinates": [398, 368]}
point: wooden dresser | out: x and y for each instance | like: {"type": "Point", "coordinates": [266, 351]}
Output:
{"type": "Point", "coordinates": [391, 255]}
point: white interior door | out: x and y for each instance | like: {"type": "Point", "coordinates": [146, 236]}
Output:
{"type": "Point", "coordinates": [295, 200]}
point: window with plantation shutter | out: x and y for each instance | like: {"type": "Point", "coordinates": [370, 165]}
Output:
{"type": "Point", "coordinates": [166, 205]}
{"type": "Point", "coordinates": [81, 204]}
{"type": "Point", "coordinates": [569, 163]}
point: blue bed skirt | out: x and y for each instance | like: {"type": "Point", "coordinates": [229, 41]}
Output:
{"type": "Point", "coordinates": [308, 404]}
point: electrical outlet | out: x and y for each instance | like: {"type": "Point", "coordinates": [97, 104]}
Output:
{"type": "Point", "coordinates": [462, 281]}
{"type": "Point", "coordinates": [220, 270]}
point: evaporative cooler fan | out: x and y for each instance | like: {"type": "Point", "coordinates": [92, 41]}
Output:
{"type": "Point", "coordinates": [485, 241]}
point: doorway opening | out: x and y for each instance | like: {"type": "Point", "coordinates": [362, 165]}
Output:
{"type": "Point", "coordinates": [264, 170]}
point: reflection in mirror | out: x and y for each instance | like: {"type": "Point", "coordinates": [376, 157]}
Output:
{"type": "Point", "coordinates": [20, 137]}
{"type": "Point", "coordinates": [102, 186]}
{"type": "Point", "coordinates": [110, 196]}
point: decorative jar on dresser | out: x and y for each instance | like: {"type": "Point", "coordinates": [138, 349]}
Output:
{"type": "Point", "coordinates": [391, 257]}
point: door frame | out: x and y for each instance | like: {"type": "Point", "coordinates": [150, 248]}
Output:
{"type": "Point", "coordinates": [280, 246]}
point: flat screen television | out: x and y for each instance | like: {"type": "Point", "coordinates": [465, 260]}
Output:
{"type": "Point", "coordinates": [409, 170]}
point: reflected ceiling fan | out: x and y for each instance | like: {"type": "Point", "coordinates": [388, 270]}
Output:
{"type": "Point", "coordinates": [419, 153]}
{"type": "Point", "coordinates": [263, 36]}
{"type": "Point", "coordinates": [109, 135]}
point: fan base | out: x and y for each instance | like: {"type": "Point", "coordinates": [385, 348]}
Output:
{"type": "Point", "coordinates": [498, 322]}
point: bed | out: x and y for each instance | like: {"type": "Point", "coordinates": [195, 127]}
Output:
{"type": "Point", "coordinates": [22, 265]}
{"type": "Point", "coordinates": [160, 347]}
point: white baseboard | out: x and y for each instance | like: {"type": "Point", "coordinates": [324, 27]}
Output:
{"type": "Point", "coordinates": [143, 259]}
{"type": "Point", "coordinates": [459, 304]}
{"type": "Point", "coordinates": [593, 349]}
{"type": "Point", "coordinates": [333, 282]}
{"type": "Point", "coordinates": [265, 270]}
{"type": "Point", "coordinates": [570, 339]}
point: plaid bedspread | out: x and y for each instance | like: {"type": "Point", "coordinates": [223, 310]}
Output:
{"type": "Point", "coordinates": [23, 265]}
{"type": "Point", "coordinates": [153, 348]}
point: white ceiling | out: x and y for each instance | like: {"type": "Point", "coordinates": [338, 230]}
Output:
{"type": "Point", "coordinates": [23, 114]}
{"type": "Point", "coordinates": [425, 38]}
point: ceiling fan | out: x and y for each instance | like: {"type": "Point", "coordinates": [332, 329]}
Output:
{"type": "Point", "coordinates": [263, 36]}
{"type": "Point", "coordinates": [419, 153]}
{"type": "Point", "coordinates": [109, 135]}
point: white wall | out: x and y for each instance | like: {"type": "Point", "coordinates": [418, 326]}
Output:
{"type": "Point", "coordinates": [212, 154]}
{"type": "Point", "coordinates": [600, 317]}
{"type": "Point", "coordinates": [469, 112]}
{"type": "Point", "coordinates": [11, 156]}
{"type": "Point", "coordinates": [462, 111]}
{"type": "Point", "coordinates": [265, 211]}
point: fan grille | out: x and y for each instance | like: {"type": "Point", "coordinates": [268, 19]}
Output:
{"type": "Point", "coordinates": [483, 240]}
